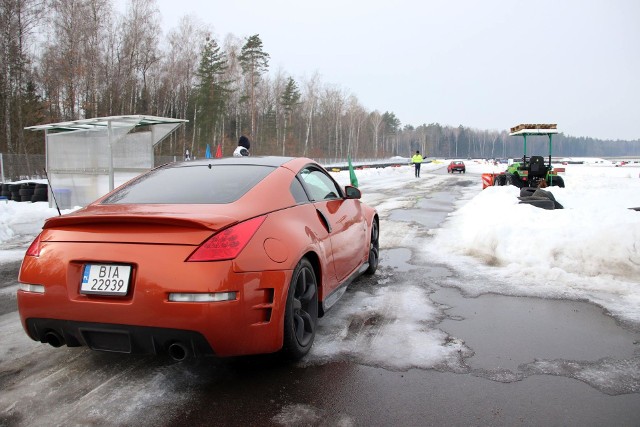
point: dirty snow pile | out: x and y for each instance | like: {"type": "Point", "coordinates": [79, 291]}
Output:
{"type": "Point", "coordinates": [588, 250]}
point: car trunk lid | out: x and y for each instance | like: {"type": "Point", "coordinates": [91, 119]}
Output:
{"type": "Point", "coordinates": [157, 224]}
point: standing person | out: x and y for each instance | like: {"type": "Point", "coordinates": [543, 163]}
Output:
{"type": "Point", "coordinates": [417, 160]}
{"type": "Point", "coordinates": [243, 147]}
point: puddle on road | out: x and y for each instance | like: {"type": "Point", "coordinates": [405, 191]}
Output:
{"type": "Point", "coordinates": [429, 212]}
{"type": "Point", "coordinates": [512, 338]}
{"type": "Point", "coordinates": [506, 332]}
{"type": "Point", "coordinates": [399, 259]}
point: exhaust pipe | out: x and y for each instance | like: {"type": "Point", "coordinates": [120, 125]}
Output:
{"type": "Point", "coordinates": [54, 339]}
{"type": "Point", "coordinates": [178, 351]}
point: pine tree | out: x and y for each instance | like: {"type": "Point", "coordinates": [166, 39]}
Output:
{"type": "Point", "coordinates": [254, 62]}
{"type": "Point", "coordinates": [212, 91]}
{"type": "Point", "coordinates": [289, 99]}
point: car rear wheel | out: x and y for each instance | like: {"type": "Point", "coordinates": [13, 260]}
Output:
{"type": "Point", "coordinates": [301, 313]}
{"type": "Point", "coordinates": [374, 248]}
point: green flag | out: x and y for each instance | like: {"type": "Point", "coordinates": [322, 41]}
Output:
{"type": "Point", "coordinates": [352, 174]}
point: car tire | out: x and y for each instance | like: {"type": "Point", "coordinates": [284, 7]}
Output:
{"type": "Point", "coordinates": [514, 180]}
{"type": "Point", "coordinates": [301, 312]}
{"type": "Point", "coordinates": [374, 249]}
{"type": "Point", "coordinates": [557, 181]}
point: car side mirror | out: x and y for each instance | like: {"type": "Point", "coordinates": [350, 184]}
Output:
{"type": "Point", "coordinates": [352, 192]}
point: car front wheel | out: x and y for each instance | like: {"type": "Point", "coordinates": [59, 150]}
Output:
{"type": "Point", "coordinates": [301, 312]}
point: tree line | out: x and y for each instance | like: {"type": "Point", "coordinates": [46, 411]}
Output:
{"type": "Point", "coordinates": [72, 59]}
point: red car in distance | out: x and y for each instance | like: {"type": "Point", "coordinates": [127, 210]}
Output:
{"type": "Point", "coordinates": [224, 257]}
{"type": "Point", "coordinates": [456, 166]}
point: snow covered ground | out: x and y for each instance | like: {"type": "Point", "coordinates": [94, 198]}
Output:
{"type": "Point", "coordinates": [586, 252]}
{"type": "Point", "coordinates": [589, 250]}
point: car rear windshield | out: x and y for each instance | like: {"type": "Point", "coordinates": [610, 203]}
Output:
{"type": "Point", "coordinates": [199, 184]}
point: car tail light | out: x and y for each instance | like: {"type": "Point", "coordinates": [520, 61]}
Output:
{"type": "Point", "coordinates": [228, 243]}
{"type": "Point", "coordinates": [34, 248]}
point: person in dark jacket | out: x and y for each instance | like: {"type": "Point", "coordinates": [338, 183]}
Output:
{"type": "Point", "coordinates": [243, 147]}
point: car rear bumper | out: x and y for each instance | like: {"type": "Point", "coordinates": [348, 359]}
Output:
{"type": "Point", "coordinates": [179, 344]}
{"type": "Point", "coordinates": [252, 323]}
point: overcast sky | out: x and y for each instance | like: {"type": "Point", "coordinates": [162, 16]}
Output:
{"type": "Point", "coordinates": [487, 64]}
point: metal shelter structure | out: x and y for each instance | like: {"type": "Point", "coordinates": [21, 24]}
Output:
{"type": "Point", "coordinates": [525, 130]}
{"type": "Point", "coordinates": [87, 158]}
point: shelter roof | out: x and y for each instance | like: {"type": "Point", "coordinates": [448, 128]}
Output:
{"type": "Point", "coordinates": [103, 122]}
{"type": "Point", "coordinates": [534, 129]}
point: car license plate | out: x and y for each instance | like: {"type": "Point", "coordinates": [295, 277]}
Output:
{"type": "Point", "coordinates": [105, 279]}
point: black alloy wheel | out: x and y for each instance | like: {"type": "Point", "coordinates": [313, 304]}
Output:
{"type": "Point", "coordinates": [301, 313]}
{"type": "Point", "coordinates": [374, 248]}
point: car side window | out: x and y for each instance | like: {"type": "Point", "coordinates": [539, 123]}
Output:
{"type": "Point", "coordinates": [319, 185]}
{"type": "Point", "coordinates": [298, 192]}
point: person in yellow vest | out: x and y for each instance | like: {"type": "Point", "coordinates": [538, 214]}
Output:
{"type": "Point", "coordinates": [417, 160]}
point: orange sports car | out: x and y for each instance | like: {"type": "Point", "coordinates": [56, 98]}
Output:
{"type": "Point", "coordinates": [225, 257]}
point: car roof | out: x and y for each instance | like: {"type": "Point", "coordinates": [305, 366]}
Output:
{"type": "Point", "coordinates": [255, 201]}
{"type": "Point", "coordinates": [274, 161]}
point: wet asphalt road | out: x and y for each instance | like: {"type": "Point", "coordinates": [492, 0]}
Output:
{"type": "Point", "coordinates": [8, 278]}
{"type": "Point", "coordinates": [530, 362]}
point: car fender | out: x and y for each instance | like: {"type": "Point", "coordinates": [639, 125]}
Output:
{"type": "Point", "coordinates": [284, 238]}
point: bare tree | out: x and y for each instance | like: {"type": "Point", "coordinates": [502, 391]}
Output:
{"type": "Point", "coordinates": [232, 45]}
{"type": "Point", "coordinates": [355, 116]}
{"type": "Point", "coordinates": [140, 38]}
{"type": "Point", "coordinates": [18, 20]}
{"type": "Point", "coordinates": [178, 75]}
{"type": "Point", "coordinates": [376, 120]}
{"type": "Point", "coordinates": [310, 103]}
{"type": "Point", "coordinates": [97, 23]}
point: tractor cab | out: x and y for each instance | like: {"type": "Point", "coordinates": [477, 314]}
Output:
{"type": "Point", "coordinates": [530, 171]}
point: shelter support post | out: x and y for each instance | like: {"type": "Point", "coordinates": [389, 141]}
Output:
{"type": "Point", "coordinates": [550, 166]}
{"type": "Point", "coordinates": [110, 132]}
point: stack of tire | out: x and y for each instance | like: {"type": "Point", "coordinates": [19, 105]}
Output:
{"type": "Point", "coordinates": [15, 192]}
{"type": "Point", "coordinates": [5, 193]}
{"type": "Point", "coordinates": [41, 193]}
{"type": "Point", "coordinates": [25, 192]}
